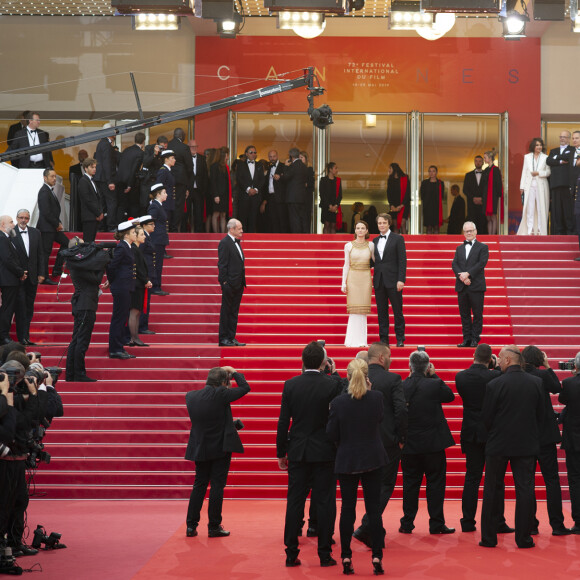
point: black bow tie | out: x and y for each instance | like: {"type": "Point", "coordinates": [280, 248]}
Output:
{"type": "Point", "coordinates": [478, 171]}
{"type": "Point", "coordinates": [383, 236]}
{"type": "Point", "coordinates": [467, 243]}
{"type": "Point", "coordinates": [23, 231]}
{"type": "Point", "coordinates": [251, 162]}
{"type": "Point", "coordinates": [237, 242]}
{"type": "Point", "coordinates": [33, 130]}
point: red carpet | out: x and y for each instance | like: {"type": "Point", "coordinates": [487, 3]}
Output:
{"type": "Point", "coordinates": [124, 437]}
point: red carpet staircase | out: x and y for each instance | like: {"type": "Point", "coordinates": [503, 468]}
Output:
{"type": "Point", "coordinates": [125, 436]}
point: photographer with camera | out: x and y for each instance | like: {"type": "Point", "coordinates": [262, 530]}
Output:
{"type": "Point", "coordinates": [570, 396]}
{"type": "Point", "coordinates": [212, 440]}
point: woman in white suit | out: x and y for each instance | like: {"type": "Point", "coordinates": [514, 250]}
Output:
{"type": "Point", "coordinates": [536, 191]}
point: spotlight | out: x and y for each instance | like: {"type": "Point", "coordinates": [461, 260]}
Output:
{"type": "Point", "coordinates": [514, 25]}
{"type": "Point", "coordinates": [304, 24]}
{"type": "Point", "coordinates": [229, 28]}
{"type": "Point", "coordinates": [145, 21]}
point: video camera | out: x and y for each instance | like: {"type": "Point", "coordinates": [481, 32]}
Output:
{"type": "Point", "coordinates": [568, 365]}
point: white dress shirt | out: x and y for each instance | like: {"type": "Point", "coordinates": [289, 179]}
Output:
{"type": "Point", "coordinates": [25, 239]}
{"type": "Point", "coordinates": [237, 246]}
{"type": "Point", "coordinates": [382, 243]}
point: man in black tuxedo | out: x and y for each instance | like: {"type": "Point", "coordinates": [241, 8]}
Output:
{"type": "Point", "coordinates": [471, 385]}
{"type": "Point", "coordinates": [469, 267]}
{"type": "Point", "coordinates": [250, 183]}
{"type": "Point", "coordinates": [428, 436]}
{"type": "Point", "coordinates": [570, 396]}
{"type": "Point", "coordinates": [561, 203]}
{"type": "Point", "coordinates": [473, 188]}
{"type": "Point", "coordinates": [512, 413]}
{"type": "Point", "coordinates": [574, 163]}
{"type": "Point", "coordinates": [198, 191]}
{"type": "Point", "coordinates": [389, 278]}
{"type": "Point", "coordinates": [305, 450]}
{"type": "Point", "coordinates": [274, 196]}
{"type": "Point", "coordinates": [393, 428]}
{"type": "Point", "coordinates": [549, 438]}
{"type": "Point", "coordinates": [49, 224]}
{"type": "Point", "coordinates": [106, 176]}
{"type": "Point", "coordinates": [11, 274]}
{"type": "Point", "coordinates": [29, 136]}
{"type": "Point", "coordinates": [28, 244]}
{"type": "Point", "coordinates": [127, 186]}
{"type": "Point", "coordinates": [232, 279]}
{"type": "Point", "coordinates": [212, 440]}
{"type": "Point", "coordinates": [76, 171]}
{"type": "Point", "coordinates": [183, 173]}
{"type": "Point", "coordinates": [89, 201]}
{"type": "Point", "coordinates": [295, 177]}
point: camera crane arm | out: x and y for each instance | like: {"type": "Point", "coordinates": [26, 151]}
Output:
{"type": "Point", "coordinates": [307, 80]}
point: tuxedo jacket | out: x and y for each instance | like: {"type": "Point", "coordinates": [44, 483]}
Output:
{"type": "Point", "coordinates": [474, 266]}
{"type": "Point", "coordinates": [10, 269]}
{"type": "Point", "coordinates": [513, 411]}
{"type": "Point", "coordinates": [75, 170]}
{"type": "Point", "coordinates": [549, 430]}
{"type": "Point", "coordinates": [213, 433]}
{"type": "Point", "coordinates": [106, 162]}
{"type": "Point", "coordinates": [33, 262]}
{"type": "Point", "coordinates": [570, 396]}
{"type": "Point", "coordinates": [428, 428]}
{"type": "Point", "coordinates": [151, 162]}
{"type": "Point", "coordinates": [166, 177]}
{"type": "Point", "coordinates": [121, 270]}
{"type": "Point", "coordinates": [355, 426]}
{"type": "Point", "coordinates": [244, 179]}
{"type": "Point", "coordinates": [295, 177]}
{"type": "Point", "coordinates": [392, 268]}
{"type": "Point", "coordinates": [129, 164]}
{"type": "Point", "coordinates": [395, 418]}
{"type": "Point", "coordinates": [560, 176]}
{"type": "Point", "coordinates": [21, 140]}
{"type": "Point", "coordinates": [471, 189]}
{"type": "Point", "coordinates": [199, 173]}
{"type": "Point", "coordinates": [48, 210]}
{"type": "Point", "coordinates": [231, 267]}
{"type": "Point", "coordinates": [574, 170]}
{"type": "Point", "coordinates": [159, 236]}
{"type": "Point", "coordinates": [183, 168]}
{"type": "Point", "coordinates": [279, 195]}
{"type": "Point", "coordinates": [89, 200]}
{"type": "Point", "coordinates": [305, 404]}
{"type": "Point", "coordinates": [471, 385]}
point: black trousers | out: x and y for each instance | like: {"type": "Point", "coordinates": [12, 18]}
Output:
{"type": "Point", "coordinates": [158, 265]}
{"type": "Point", "coordinates": [84, 322]}
{"type": "Point", "coordinates": [195, 204]}
{"type": "Point", "coordinates": [388, 481]}
{"type": "Point", "coordinates": [278, 217]}
{"type": "Point", "coordinates": [371, 485]}
{"type": "Point", "coordinates": [13, 500]}
{"type": "Point", "coordinates": [434, 467]}
{"type": "Point", "coordinates": [471, 304]}
{"type": "Point", "coordinates": [7, 309]}
{"type": "Point", "coordinates": [562, 208]}
{"type": "Point", "coordinates": [25, 308]}
{"type": "Point", "coordinates": [474, 464]}
{"type": "Point", "coordinates": [548, 462]}
{"type": "Point", "coordinates": [48, 239]}
{"type": "Point", "coordinates": [215, 473]}
{"type": "Point", "coordinates": [523, 470]}
{"type": "Point", "coordinates": [109, 199]}
{"type": "Point", "coordinates": [383, 296]}
{"type": "Point", "coordinates": [298, 218]}
{"type": "Point", "coordinates": [573, 468]}
{"type": "Point", "coordinates": [230, 308]}
{"type": "Point", "coordinates": [179, 211]}
{"type": "Point", "coordinates": [477, 216]}
{"type": "Point", "coordinates": [90, 231]}
{"type": "Point", "coordinates": [248, 211]}
{"type": "Point", "coordinates": [323, 479]}
{"type": "Point", "coordinates": [119, 318]}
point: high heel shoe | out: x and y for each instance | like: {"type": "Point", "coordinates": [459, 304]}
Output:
{"type": "Point", "coordinates": [378, 568]}
{"type": "Point", "coordinates": [347, 568]}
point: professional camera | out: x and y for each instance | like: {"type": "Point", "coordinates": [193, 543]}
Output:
{"type": "Point", "coordinates": [36, 453]}
{"type": "Point", "coordinates": [8, 563]}
{"type": "Point", "coordinates": [568, 365]}
{"type": "Point", "coordinates": [14, 376]}
{"type": "Point", "coordinates": [51, 542]}
{"type": "Point", "coordinates": [54, 372]}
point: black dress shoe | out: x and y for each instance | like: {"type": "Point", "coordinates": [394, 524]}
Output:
{"type": "Point", "coordinates": [575, 530]}
{"type": "Point", "coordinates": [328, 562]}
{"type": "Point", "coordinates": [122, 355]}
{"type": "Point", "coordinates": [473, 343]}
{"type": "Point", "coordinates": [218, 533]}
{"type": "Point", "coordinates": [385, 341]}
{"type": "Point", "coordinates": [468, 528]}
{"type": "Point", "coordinates": [486, 545]}
{"type": "Point", "coordinates": [292, 562]}
{"type": "Point", "coordinates": [236, 343]}
{"type": "Point", "coordinates": [464, 344]}
{"type": "Point", "coordinates": [505, 529]}
{"type": "Point", "coordinates": [226, 343]}
{"type": "Point", "coordinates": [534, 532]}
{"type": "Point", "coordinates": [400, 343]}
{"type": "Point", "coordinates": [160, 293]}
{"type": "Point", "coordinates": [27, 342]}
{"type": "Point", "coordinates": [23, 550]}
{"type": "Point", "coordinates": [403, 530]}
{"type": "Point", "coordinates": [443, 530]}
{"type": "Point", "coordinates": [147, 331]}
{"type": "Point", "coordinates": [138, 342]}
{"type": "Point", "coordinates": [49, 282]}
{"type": "Point", "coordinates": [191, 532]}
{"type": "Point", "coordinates": [561, 531]}
{"type": "Point", "coordinates": [362, 537]}
{"type": "Point", "coordinates": [529, 544]}
{"type": "Point", "coordinates": [84, 379]}
{"type": "Point", "coordinates": [56, 274]}
{"type": "Point", "coordinates": [312, 533]}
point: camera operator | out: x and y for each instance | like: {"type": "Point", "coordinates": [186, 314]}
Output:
{"type": "Point", "coordinates": [86, 264]}
{"type": "Point", "coordinates": [570, 396]}
{"type": "Point", "coordinates": [26, 403]}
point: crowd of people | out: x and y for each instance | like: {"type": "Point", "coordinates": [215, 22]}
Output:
{"type": "Point", "coordinates": [361, 428]}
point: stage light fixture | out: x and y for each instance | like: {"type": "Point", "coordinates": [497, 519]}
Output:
{"type": "Point", "coordinates": [156, 22]}
{"type": "Point", "coordinates": [443, 23]}
{"type": "Point", "coordinates": [514, 25]}
{"type": "Point", "coordinates": [408, 16]}
{"type": "Point", "coordinates": [229, 27]}
{"type": "Point", "coordinates": [305, 24]}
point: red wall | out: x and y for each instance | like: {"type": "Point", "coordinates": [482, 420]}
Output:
{"type": "Point", "coordinates": [456, 75]}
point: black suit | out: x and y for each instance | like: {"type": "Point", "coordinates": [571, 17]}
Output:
{"type": "Point", "coordinates": [393, 431]}
{"type": "Point", "coordinates": [389, 270]}
{"type": "Point", "coordinates": [305, 404]}
{"type": "Point", "coordinates": [248, 204]}
{"type": "Point", "coordinates": [198, 193]}
{"type": "Point", "coordinates": [471, 189]}
{"type": "Point", "coordinates": [33, 263]}
{"type": "Point", "coordinates": [183, 173]}
{"type": "Point", "coordinates": [512, 412]}
{"type": "Point", "coordinates": [295, 177]}
{"type": "Point", "coordinates": [48, 224]}
{"type": "Point", "coordinates": [575, 187]}
{"type": "Point", "coordinates": [212, 440]}
{"type": "Point", "coordinates": [276, 207]}
{"type": "Point", "coordinates": [232, 279]}
{"type": "Point", "coordinates": [105, 176]}
{"type": "Point", "coordinates": [127, 176]}
{"type": "Point", "coordinates": [570, 396]}
{"type": "Point", "coordinates": [471, 386]}
{"type": "Point", "coordinates": [424, 453]}
{"type": "Point", "coordinates": [470, 297]}
{"type": "Point", "coordinates": [91, 207]}
{"type": "Point", "coordinates": [561, 202]}
{"type": "Point", "coordinates": [10, 273]}
{"type": "Point", "coordinates": [21, 140]}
